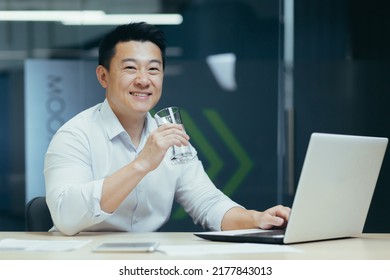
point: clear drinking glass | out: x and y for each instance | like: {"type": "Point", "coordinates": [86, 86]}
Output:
{"type": "Point", "coordinates": [180, 154]}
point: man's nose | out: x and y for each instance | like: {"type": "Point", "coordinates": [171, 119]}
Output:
{"type": "Point", "coordinates": [142, 79]}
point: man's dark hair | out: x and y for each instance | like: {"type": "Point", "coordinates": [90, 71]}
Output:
{"type": "Point", "coordinates": [140, 31]}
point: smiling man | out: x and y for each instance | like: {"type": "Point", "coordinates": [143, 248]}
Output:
{"type": "Point", "coordinates": [107, 169]}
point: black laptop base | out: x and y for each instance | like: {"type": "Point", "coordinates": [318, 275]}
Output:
{"type": "Point", "coordinates": [271, 237]}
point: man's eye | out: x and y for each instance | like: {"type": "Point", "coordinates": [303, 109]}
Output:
{"type": "Point", "coordinates": [130, 67]}
{"type": "Point", "coordinates": [154, 69]}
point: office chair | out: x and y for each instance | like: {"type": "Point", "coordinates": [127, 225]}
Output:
{"type": "Point", "coordinates": [38, 216]}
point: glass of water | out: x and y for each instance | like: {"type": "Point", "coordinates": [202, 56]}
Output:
{"type": "Point", "coordinates": [180, 154]}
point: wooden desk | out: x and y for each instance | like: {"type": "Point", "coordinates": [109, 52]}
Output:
{"type": "Point", "coordinates": [365, 247]}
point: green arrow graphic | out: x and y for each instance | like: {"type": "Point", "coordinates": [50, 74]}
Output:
{"type": "Point", "coordinates": [236, 149]}
{"type": "Point", "coordinates": [197, 137]}
{"type": "Point", "coordinates": [216, 163]}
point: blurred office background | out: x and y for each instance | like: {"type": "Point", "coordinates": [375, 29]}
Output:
{"type": "Point", "coordinates": [254, 77]}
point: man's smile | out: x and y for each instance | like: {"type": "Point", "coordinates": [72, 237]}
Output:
{"type": "Point", "coordinates": [140, 94]}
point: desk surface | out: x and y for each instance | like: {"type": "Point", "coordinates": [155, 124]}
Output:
{"type": "Point", "coordinates": [364, 247]}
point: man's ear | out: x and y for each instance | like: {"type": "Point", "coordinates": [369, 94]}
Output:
{"type": "Point", "coordinates": [101, 74]}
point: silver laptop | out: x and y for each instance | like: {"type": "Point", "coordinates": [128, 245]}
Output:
{"type": "Point", "coordinates": [333, 196]}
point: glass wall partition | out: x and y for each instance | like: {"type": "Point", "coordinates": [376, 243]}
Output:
{"type": "Point", "coordinates": [222, 70]}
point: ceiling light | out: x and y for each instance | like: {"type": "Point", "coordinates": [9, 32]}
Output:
{"type": "Point", "coordinates": [114, 19]}
{"type": "Point", "coordinates": [49, 15]}
{"type": "Point", "coordinates": [90, 17]}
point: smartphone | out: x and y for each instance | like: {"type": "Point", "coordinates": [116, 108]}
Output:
{"type": "Point", "coordinates": [127, 247]}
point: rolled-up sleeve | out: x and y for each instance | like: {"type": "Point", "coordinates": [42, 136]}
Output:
{"type": "Point", "coordinates": [199, 197]}
{"type": "Point", "coordinates": [73, 194]}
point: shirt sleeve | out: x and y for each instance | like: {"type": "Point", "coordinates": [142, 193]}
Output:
{"type": "Point", "coordinates": [200, 198]}
{"type": "Point", "coordinates": [73, 195]}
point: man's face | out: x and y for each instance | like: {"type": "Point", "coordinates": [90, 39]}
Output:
{"type": "Point", "coordinates": [134, 81]}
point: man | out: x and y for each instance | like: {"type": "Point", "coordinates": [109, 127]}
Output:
{"type": "Point", "coordinates": [108, 169]}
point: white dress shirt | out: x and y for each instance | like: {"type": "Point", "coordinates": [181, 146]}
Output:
{"type": "Point", "coordinates": [92, 146]}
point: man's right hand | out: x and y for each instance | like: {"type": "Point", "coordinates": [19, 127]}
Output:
{"type": "Point", "coordinates": [158, 143]}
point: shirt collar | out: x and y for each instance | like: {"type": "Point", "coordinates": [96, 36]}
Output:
{"type": "Point", "coordinates": [150, 124]}
{"type": "Point", "coordinates": [110, 121]}
{"type": "Point", "coordinates": [113, 125]}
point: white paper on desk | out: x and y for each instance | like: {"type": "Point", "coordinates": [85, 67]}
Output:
{"type": "Point", "coordinates": [41, 245]}
{"type": "Point", "coordinates": [213, 249]}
